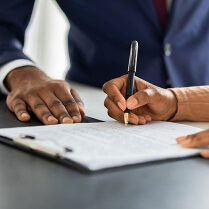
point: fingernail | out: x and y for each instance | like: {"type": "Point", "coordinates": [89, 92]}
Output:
{"type": "Point", "coordinates": [67, 120]}
{"type": "Point", "coordinates": [148, 118]}
{"type": "Point", "coordinates": [24, 115]}
{"type": "Point", "coordinates": [121, 106]}
{"type": "Point", "coordinates": [51, 118]}
{"type": "Point", "coordinates": [76, 118]}
{"type": "Point", "coordinates": [186, 141]}
{"type": "Point", "coordinates": [142, 121]}
{"type": "Point", "coordinates": [132, 119]}
{"type": "Point", "coordinates": [132, 103]}
{"type": "Point", "coordinates": [180, 139]}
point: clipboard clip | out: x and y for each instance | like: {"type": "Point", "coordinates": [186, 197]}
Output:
{"type": "Point", "coordinates": [30, 142]}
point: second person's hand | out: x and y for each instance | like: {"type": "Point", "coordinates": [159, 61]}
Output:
{"type": "Point", "coordinates": [149, 102]}
{"type": "Point", "coordinates": [200, 139]}
{"type": "Point", "coordinates": [52, 101]}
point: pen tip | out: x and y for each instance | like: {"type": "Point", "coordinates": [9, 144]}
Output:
{"type": "Point", "coordinates": [126, 118]}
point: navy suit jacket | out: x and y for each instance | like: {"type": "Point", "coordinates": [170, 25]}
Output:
{"type": "Point", "coordinates": [101, 33]}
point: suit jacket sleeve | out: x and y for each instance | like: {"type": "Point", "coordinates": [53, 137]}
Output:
{"type": "Point", "coordinates": [14, 18]}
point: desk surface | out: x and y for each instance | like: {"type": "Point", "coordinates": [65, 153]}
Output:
{"type": "Point", "coordinates": [32, 182]}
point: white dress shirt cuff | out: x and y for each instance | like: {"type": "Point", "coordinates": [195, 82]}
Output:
{"type": "Point", "coordinates": [6, 68]}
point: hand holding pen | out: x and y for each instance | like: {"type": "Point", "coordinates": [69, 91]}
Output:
{"type": "Point", "coordinates": [148, 102]}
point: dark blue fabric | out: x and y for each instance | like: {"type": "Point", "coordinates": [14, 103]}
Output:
{"type": "Point", "coordinates": [101, 33]}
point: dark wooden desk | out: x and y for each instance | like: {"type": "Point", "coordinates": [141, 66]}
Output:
{"type": "Point", "coordinates": [30, 182]}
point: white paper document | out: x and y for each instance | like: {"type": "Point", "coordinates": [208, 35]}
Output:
{"type": "Point", "coordinates": [111, 144]}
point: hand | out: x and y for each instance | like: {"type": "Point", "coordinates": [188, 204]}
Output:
{"type": "Point", "coordinates": [196, 140]}
{"type": "Point", "coordinates": [148, 103]}
{"type": "Point", "coordinates": [52, 101]}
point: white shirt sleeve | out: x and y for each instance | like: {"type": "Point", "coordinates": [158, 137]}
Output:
{"type": "Point", "coordinates": [6, 68]}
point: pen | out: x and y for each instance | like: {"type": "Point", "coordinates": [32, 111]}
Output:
{"type": "Point", "coordinates": [131, 73]}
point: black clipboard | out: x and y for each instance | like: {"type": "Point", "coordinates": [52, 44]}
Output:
{"type": "Point", "coordinates": [8, 120]}
{"type": "Point", "coordinates": [41, 153]}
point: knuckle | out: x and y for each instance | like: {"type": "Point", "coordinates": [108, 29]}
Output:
{"type": "Point", "coordinates": [55, 103]}
{"type": "Point", "coordinates": [8, 102]}
{"type": "Point", "coordinates": [60, 84]}
{"type": "Point", "coordinates": [104, 87]}
{"type": "Point", "coordinates": [69, 102]}
{"type": "Point", "coordinates": [12, 97]}
{"type": "Point", "coordinates": [155, 92]}
{"type": "Point", "coordinates": [106, 102]}
{"type": "Point", "coordinates": [16, 93]}
{"type": "Point", "coordinates": [142, 96]}
{"type": "Point", "coordinates": [38, 106]}
{"type": "Point", "coordinates": [28, 96]}
{"type": "Point", "coordinates": [74, 113]}
{"type": "Point", "coordinates": [114, 98]}
{"type": "Point", "coordinates": [124, 77]}
{"type": "Point", "coordinates": [145, 94]}
{"type": "Point", "coordinates": [18, 104]}
{"type": "Point", "coordinates": [41, 89]}
{"type": "Point", "coordinates": [80, 102]}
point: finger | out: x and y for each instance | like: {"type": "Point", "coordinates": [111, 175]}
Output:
{"type": "Point", "coordinates": [19, 108]}
{"type": "Point", "coordinates": [65, 96]}
{"type": "Point", "coordinates": [148, 118]}
{"type": "Point", "coordinates": [195, 140]}
{"type": "Point", "coordinates": [205, 154]}
{"type": "Point", "coordinates": [56, 107]}
{"type": "Point", "coordinates": [139, 99]}
{"type": "Point", "coordinates": [180, 139]}
{"type": "Point", "coordinates": [79, 103]}
{"type": "Point", "coordinates": [40, 109]}
{"type": "Point", "coordinates": [113, 90]}
{"type": "Point", "coordinates": [143, 119]}
{"type": "Point", "coordinates": [115, 112]}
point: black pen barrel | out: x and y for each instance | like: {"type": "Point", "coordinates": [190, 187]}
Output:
{"type": "Point", "coordinates": [133, 56]}
{"type": "Point", "coordinates": [131, 69]}
{"type": "Point", "coordinates": [130, 84]}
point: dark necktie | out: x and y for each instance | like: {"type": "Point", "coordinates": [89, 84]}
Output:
{"type": "Point", "coordinates": [161, 8]}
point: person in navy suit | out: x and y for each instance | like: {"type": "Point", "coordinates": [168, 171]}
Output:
{"type": "Point", "coordinates": [173, 41]}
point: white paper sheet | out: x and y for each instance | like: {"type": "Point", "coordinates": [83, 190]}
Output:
{"type": "Point", "coordinates": [110, 144]}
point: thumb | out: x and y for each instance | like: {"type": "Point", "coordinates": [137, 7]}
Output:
{"type": "Point", "coordinates": [139, 99]}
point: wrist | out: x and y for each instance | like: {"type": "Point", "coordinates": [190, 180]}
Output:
{"type": "Point", "coordinates": [26, 74]}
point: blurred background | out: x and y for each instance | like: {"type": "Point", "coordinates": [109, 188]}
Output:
{"type": "Point", "coordinates": [48, 51]}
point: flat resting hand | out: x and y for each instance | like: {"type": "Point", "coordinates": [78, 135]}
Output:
{"type": "Point", "coordinates": [52, 101]}
{"type": "Point", "coordinates": [199, 139]}
{"type": "Point", "coordinates": [149, 102]}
